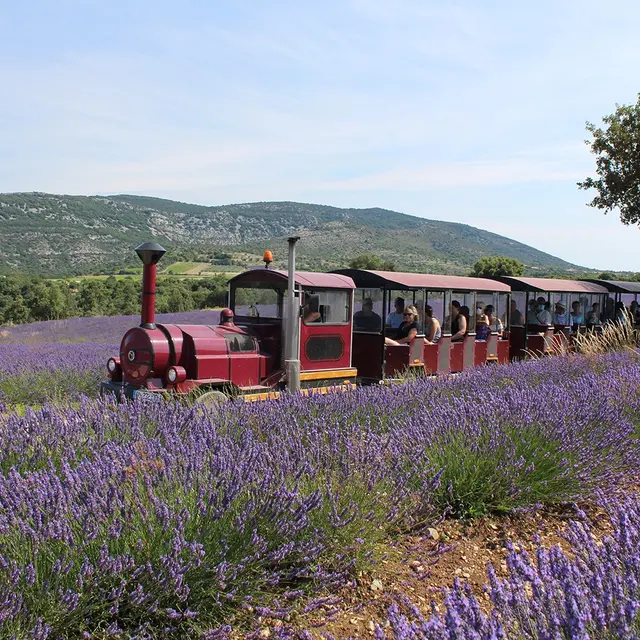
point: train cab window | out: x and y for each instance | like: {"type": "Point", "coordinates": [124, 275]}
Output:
{"type": "Point", "coordinates": [239, 342]}
{"type": "Point", "coordinates": [327, 307]}
{"type": "Point", "coordinates": [258, 301]}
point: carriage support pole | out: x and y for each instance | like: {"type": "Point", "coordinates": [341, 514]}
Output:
{"type": "Point", "coordinates": [292, 357]}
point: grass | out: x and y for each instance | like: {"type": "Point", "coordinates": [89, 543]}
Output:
{"type": "Point", "coordinates": [181, 268]}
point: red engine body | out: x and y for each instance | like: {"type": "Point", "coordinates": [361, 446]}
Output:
{"type": "Point", "coordinates": [212, 355]}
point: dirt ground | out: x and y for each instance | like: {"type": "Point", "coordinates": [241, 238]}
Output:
{"type": "Point", "coordinates": [419, 567]}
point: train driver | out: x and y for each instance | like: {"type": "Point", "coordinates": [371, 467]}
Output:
{"type": "Point", "coordinates": [311, 309]}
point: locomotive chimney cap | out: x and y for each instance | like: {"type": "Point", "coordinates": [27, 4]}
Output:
{"type": "Point", "coordinates": [150, 252]}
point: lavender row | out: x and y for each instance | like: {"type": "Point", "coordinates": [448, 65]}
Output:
{"type": "Point", "coordinates": [95, 329]}
{"type": "Point", "coordinates": [172, 521]}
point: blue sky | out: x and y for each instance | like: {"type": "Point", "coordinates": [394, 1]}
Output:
{"type": "Point", "coordinates": [471, 112]}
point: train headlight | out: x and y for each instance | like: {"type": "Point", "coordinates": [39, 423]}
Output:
{"type": "Point", "coordinates": [176, 375]}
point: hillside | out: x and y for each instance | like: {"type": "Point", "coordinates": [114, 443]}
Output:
{"type": "Point", "coordinates": [70, 235]}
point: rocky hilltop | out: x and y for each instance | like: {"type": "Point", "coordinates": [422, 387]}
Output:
{"type": "Point", "coordinates": [68, 235]}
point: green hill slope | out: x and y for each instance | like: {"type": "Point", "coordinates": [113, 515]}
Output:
{"type": "Point", "coordinates": [69, 235]}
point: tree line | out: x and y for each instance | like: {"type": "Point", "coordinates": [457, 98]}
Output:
{"type": "Point", "coordinates": [31, 299]}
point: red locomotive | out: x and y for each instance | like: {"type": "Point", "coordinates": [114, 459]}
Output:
{"type": "Point", "coordinates": [253, 352]}
{"type": "Point", "coordinates": [296, 329]}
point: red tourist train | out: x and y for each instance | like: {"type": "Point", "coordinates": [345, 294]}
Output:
{"type": "Point", "coordinates": [255, 351]}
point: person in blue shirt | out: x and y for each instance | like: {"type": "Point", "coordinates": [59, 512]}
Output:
{"type": "Point", "coordinates": [577, 317]}
{"type": "Point", "coordinates": [395, 318]}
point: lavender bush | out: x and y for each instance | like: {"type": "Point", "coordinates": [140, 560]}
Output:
{"type": "Point", "coordinates": [32, 374]}
{"type": "Point", "coordinates": [590, 593]}
{"type": "Point", "coordinates": [160, 520]}
{"type": "Point", "coordinates": [593, 593]}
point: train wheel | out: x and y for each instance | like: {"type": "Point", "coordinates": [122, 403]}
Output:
{"type": "Point", "coordinates": [211, 399]}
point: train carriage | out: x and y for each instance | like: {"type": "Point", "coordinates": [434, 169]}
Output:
{"type": "Point", "coordinates": [619, 292]}
{"type": "Point", "coordinates": [531, 336]}
{"type": "Point", "coordinates": [305, 330]}
{"type": "Point", "coordinates": [376, 360]}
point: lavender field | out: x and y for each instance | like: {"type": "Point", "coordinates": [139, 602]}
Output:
{"type": "Point", "coordinates": [60, 360]}
{"type": "Point", "coordinates": [165, 521]}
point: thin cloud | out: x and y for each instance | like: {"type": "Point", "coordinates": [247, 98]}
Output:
{"type": "Point", "coordinates": [517, 169]}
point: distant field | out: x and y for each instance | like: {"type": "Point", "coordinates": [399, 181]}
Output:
{"type": "Point", "coordinates": [198, 268]}
{"type": "Point", "coordinates": [186, 268]}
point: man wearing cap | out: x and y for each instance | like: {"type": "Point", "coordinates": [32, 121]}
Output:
{"type": "Point", "coordinates": [560, 316]}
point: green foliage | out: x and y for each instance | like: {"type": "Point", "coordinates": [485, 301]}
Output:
{"type": "Point", "coordinates": [605, 275]}
{"type": "Point", "coordinates": [617, 163]}
{"type": "Point", "coordinates": [474, 482]}
{"type": "Point", "coordinates": [24, 299]}
{"type": "Point", "coordinates": [372, 262]}
{"type": "Point", "coordinates": [496, 266]}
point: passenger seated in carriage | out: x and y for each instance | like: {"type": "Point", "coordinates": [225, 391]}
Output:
{"type": "Point", "coordinates": [532, 317]}
{"type": "Point", "coordinates": [432, 328]}
{"type": "Point", "coordinates": [576, 317]}
{"type": "Point", "coordinates": [459, 322]}
{"type": "Point", "coordinates": [396, 318]}
{"type": "Point", "coordinates": [593, 317]}
{"type": "Point", "coordinates": [367, 319]}
{"type": "Point", "coordinates": [560, 316]}
{"type": "Point", "coordinates": [517, 319]}
{"type": "Point", "coordinates": [408, 330]}
{"type": "Point", "coordinates": [495, 324]}
{"type": "Point", "coordinates": [482, 322]}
